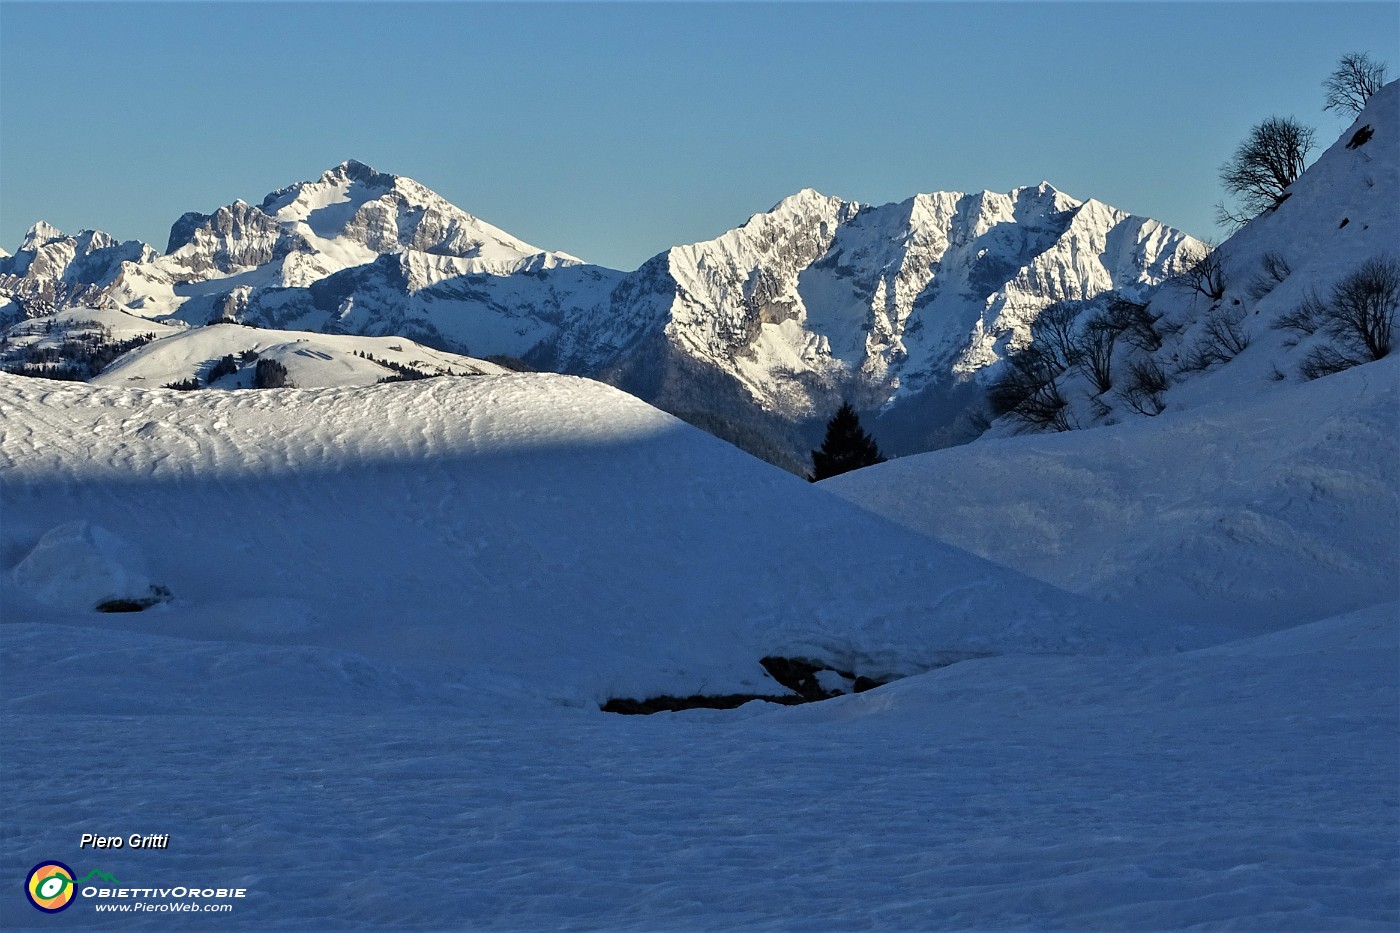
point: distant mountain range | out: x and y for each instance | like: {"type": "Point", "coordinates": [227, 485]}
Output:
{"type": "Point", "coordinates": [756, 335]}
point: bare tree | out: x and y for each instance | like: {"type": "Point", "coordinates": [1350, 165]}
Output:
{"type": "Point", "coordinates": [1353, 82]}
{"type": "Point", "coordinates": [1204, 273]}
{"type": "Point", "coordinates": [1269, 160]}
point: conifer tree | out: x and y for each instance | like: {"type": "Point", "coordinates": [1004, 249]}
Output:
{"type": "Point", "coordinates": [846, 446]}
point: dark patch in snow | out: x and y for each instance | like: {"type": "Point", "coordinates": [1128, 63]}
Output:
{"type": "Point", "coordinates": [799, 675]}
{"type": "Point", "coordinates": [1361, 137]}
{"type": "Point", "coordinates": [159, 594]}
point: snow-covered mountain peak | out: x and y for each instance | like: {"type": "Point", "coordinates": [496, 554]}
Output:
{"type": "Point", "coordinates": [39, 234]}
{"type": "Point", "coordinates": [801, 201]}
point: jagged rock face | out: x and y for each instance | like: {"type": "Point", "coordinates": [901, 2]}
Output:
{"type": "Point", "coordinates": [54, 270]}
{"type": "Point", "coordinates": [759, 331]}
{"type": "Point", "coordinates": [232, 239]}
{"type": "Point", "coordinates": [822, 299]}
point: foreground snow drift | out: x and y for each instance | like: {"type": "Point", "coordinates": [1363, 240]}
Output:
{"type": "Point", "coordinates": [544, 530]}
{"type": "Point", "coordinates": [1282, 509]}
{"type": "Point", "coordinates": [1250, 786]}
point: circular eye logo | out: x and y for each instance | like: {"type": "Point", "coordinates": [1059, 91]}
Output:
{"type": "Point", "coordinates": [49, 886]}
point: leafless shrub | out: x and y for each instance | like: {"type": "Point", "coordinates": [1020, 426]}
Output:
{"type": "Point", "coordinates": [1361, 314]}
{"type": "Point", "coordinates": [1274, 270]}
{"type": "Point", "coordinates": [1203, 273]}
{"type": "Point", "coordinates": [1028, 390]}
{"type": "Point", "coordinates": [1145, 384]}
{"type": "Point", "coordinates": [1134, 323]}
{"type": "Point", "coordinates": [1053, 331]}
{"type": "Point", "coordinates": [1222, 338]}
{"type": "Point", "coordinates": [1304, 320]}
{"type": "Point", "coordinates": [1095, 359]}
{"type": "Point", "coordinates": [1324, 361]}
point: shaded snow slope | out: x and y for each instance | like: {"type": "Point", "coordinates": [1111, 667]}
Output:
{"type": "Point", "coordinates": [1245, 787]}
{"type": "Point", "coordinates": [547, 530]}
{"type": "Point", "coordinates": [1255, 513]}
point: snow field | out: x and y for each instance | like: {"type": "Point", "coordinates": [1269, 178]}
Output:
{"type": "Point", "coordinates": [1010, 793]}
{"type": "Point", "coordinates": [1246, 515]}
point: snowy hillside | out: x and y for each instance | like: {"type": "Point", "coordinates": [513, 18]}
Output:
{"type": "Point", "coordinates": [310, 360]}
{"type": "Point", "coordinates": [1250, 323]}
{"type": "Point", "coordinates": [1248, 515]}
{"type": "Point", "coordinates": [755, 335]}
{"type": "Point", "coordinates": [1247, 787]}
{"type": "Point", "coordinates": [114, 347]}
{"type": "Point", "coordinates": [519, 525]}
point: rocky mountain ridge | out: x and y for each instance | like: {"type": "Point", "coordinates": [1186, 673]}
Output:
{"type": "Point", "coordinates": [756, 333]}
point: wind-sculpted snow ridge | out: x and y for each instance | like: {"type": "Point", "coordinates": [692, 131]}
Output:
{"type": "Point", "coordinates": [545, 529]}
{"type": "Point", "coordinates": [1276, 509]}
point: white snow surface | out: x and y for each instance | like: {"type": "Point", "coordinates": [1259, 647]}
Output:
{"type": "Point", "coordinates": [396, 609]}
{"type": "Point", "coordinates": [312, 360]}
{"type": "Point", "coordinates": [1245, 515]}
{"type": "Point", "coordinates": [1247, 787]}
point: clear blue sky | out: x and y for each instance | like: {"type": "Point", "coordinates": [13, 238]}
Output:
{"type": "Point", "coordinates": [613, 131]}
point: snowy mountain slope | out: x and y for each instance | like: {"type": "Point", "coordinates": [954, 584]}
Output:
{"type": "Point", "coordinates": [127, 350]}
{"type": "Point", "coordinates": [822, 299]}
{"type": "Point", "coordinates": [1273, 509]}
{"type": "Point", "coordinates": [547, 530]}
{"type": "Point", "coordinates": [52, 270]}
{"type": "Point", "coordinates": [351, 217]}
{"type": "Point", "coordinates": [1342, 211]}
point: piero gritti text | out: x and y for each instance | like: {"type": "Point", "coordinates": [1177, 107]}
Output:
{"type": "Point", "coordinates": [134, 841]}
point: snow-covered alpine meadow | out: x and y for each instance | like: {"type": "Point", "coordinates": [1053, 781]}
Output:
{"type": "Point", "coordinates": [371, 696]}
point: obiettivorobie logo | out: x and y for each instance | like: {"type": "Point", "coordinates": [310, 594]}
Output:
{"type": "Point", "coordinates": [51, 886]}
